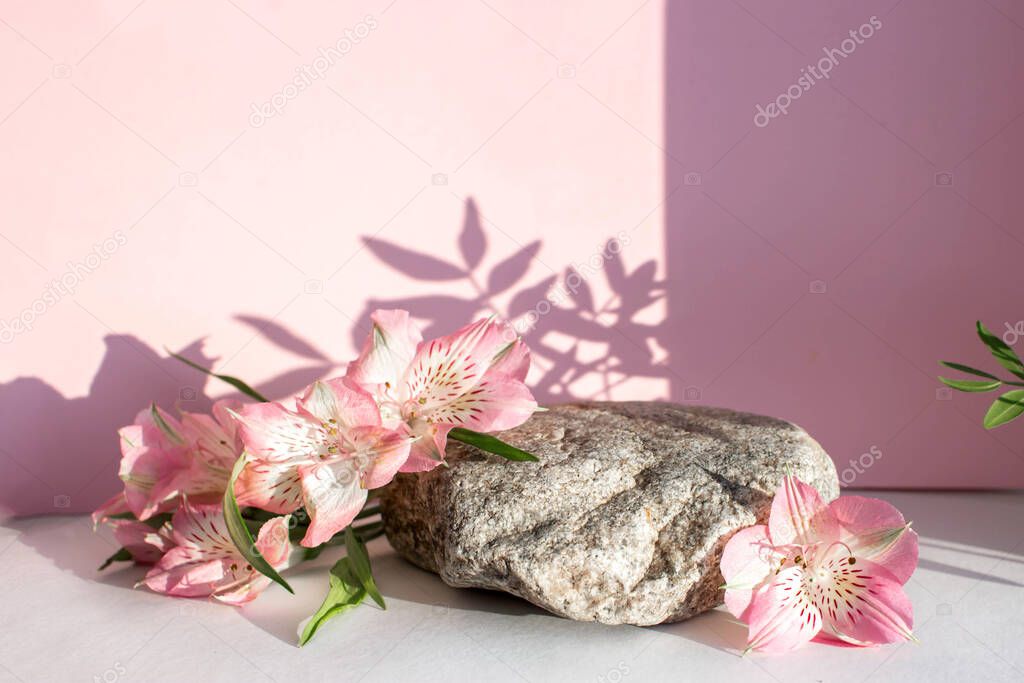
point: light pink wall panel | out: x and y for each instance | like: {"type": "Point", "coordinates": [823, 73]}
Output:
{"type": "Point", "coordinates": [462, 157]}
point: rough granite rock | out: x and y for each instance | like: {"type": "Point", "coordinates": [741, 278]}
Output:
{"type": "Point", "coordinates": [622, 521]}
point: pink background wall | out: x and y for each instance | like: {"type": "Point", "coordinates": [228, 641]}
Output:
{"type": "Point", "coordinates": [462, 158]}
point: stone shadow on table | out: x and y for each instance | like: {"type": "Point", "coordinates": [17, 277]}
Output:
{"type": "Point", "coordinates": [402, 580]}
{"type": "Point", "coordinates": [278, 614]}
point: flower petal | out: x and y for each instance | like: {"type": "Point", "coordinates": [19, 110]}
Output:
{"type": "Point", "coordinates": [152, 464]}
{"type": "Point", "coordinates": [243, 590]}
{"type": "Point", "coordinates": [146, 544]}
{"type": "Point", "coordinates": [388, 350]}
{"type": "Point", "coordinates": [446, 368]}
{"type": "Point", "coordinates": [224, 412]}
{"type": "Point", "coordinates": [212, 444]}
{"type": "Point", "coordinates": [213, 452]}
{"type": "Point", "coordinates": [341, 402]}
{"type": "Point", "coordinates": [333, 497]}
{"type": "Point", "coordinates": [866, 605]}
{"type": "Point", "coordinates": [747, 561]}
{"type": "Point", "coordinates": [116, 505]}
{"type": "Point", "coordinates": [781, 616]}
{"type": "Point", "coordinates": [203, 559]}
{"type": "Point", "coordinates": [513, 359]}
{"type": "Point", "coordinates": [799, 516]}
{"type": "Point", "coordinates": [271, 432]}
{"type": "Point", "coordinates": [498, 402]}
{"type": "Point", "coordinates": [205, 562]}
{"type": "Point", "coordinates": [875, 530]}
{"type": "Point", "coordinates": [271, 486]}
{"type": "Point", "coordinates": [380, 453]}
{"type": "Point", "coordinates": [427, 449]}
{"type": "Point", "coordinates": [273, 542]}
{"type": "Point", "coordinates": [202, 528]}
{"type": "Point", "coordinates": [183, 573]}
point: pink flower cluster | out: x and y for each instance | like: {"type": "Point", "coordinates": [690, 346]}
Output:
{"type": "Point", "coordinates": [321, 452]}
{"type": "Point", "coordinates": [832, 573]}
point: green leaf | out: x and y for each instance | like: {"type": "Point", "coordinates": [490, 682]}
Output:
{"type": "Point", "coordinates": [1006, 407]}
{"type": "Point", "coordinates": [968, 369]}
{"type": "Point", "coordinates": [360, 560]}
{"type": "Point", "coordinates": [121, 555]}
{"type": "Point", "coordinates": [971, 385]}
{"type": "Point", "coordinates": [345, 593]}
{"type": "Point", "coordinates": [486, 442]}
{"type": "Point", "coordinates": [233, 381]}
{"type": "Point", "coordinates": [1003, 353]}
{"type": "Point", "coordinates": [239, 532]}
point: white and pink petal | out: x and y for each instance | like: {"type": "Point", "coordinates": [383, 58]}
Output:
{"type": "Point", "coordinates": [184, 573]}
{"type": "Point", "coordinates": [333, 496]}
{"type": "Point", "coordinates": [146, 544]}
{"type": "Point", "coordinates": [273, 542]}
{"type": "Point", "coordinates": [447, 367]}
{"type": "Point", "coordinates": [201, 527]}
{"type": "Point", "coordinates": [115, 505]}
{"type": "Point", "coordinates": [865, 604]}
{"type": "Point", "coordinates": [781, 616]}
{"type": "Point", "coordinates": [747, 562]}
{"type": "Point", "coordinates": [380, 454]}
{"type": "Point", "coordinates": [269, 431]}
{"type": "Point", "coordinates": [272, 486]}
{"type": "Point", "coordinates": [799, 516]}
{"type": "Point", "coordinates": [427, 450]}
{"type": "Point", "coordinates": [496, 403]}
{"type": "Point", "coordinates": [153, 465]}
{"type": "Point", "coordinates": [341, 403]}
{"type": "Point", "coordinates": [388, 351]}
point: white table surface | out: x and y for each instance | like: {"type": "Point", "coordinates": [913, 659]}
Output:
{"type": "Point", "coordinates": [62, 621]}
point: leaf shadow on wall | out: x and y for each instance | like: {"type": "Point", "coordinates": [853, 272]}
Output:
{"type": "Point", "coordinates": [60, 454]}
{"type": "Point", "coordinates": [584, 346]}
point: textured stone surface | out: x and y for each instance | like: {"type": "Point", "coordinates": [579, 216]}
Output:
{"type": "Point", "coordinates": [622, 521]}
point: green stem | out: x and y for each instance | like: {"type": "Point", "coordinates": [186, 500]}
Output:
{"type": "Point", "coordinates": [366, 538]}
{"type": "Point", "coordinates": [368, 512]}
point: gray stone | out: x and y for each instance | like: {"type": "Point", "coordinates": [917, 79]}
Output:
{"type": "Point", "coordinates": [622, 521]}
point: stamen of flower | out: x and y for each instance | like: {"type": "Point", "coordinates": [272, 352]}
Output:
{"type": "Point", "coordinates": [851, 559]}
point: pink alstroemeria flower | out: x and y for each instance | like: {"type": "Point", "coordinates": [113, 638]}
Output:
{"type": "Point", "coordinates": [835, 572]}
{"type": "Point", "coordinates": [115, 505]}
{"type": "Point", "coordinates": [153, 458]}
{"type": "Point", "coordinates": [165, 459]}
{"type": "Point", "coordinates": [215, 445]}
{"type": "Point", "coordinates": [323, 456]}
{"type": "Point", "coordinates": [472, 379]}
{"type": "Point", "coordinates": [145, 543]}
{"type": "Point", "coordinates": [204, 562]}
